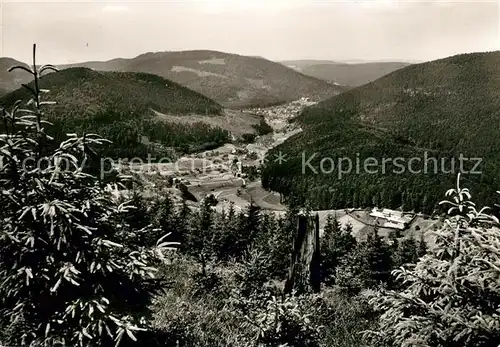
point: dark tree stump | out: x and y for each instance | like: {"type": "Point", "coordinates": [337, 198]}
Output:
{"type": "Point", "coordinates": [304, 274]}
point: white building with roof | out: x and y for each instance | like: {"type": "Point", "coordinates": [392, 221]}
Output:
{"type": "Point", "coordinates": [390, 218]}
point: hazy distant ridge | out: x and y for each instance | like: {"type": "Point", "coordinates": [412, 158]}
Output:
{"type": "Point", "coordinates": [347, 74]}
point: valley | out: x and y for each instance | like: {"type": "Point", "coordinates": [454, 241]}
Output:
{"type": "Point", "coordinates": [223, 173]}
{"type": "Point", "coordinates": [214, 148]}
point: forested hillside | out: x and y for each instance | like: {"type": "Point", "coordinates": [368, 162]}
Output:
{"type": "Point", "coordinates": [10, 81]}
{"type": "Point", "coordinates": [444, 108]}
{"type": "Point", "coordinates": [120, 106]}
{"type": "Point", "coordinates": [231, 79]}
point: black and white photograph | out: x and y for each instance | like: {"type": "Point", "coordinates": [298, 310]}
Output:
{"type": "Point", "coordinates": [249, 173]}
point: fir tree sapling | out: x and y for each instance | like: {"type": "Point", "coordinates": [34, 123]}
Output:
{"type": "Point", "coordinates": [72, 270]}
{"type": "Point", "coordinates": [451, 297]}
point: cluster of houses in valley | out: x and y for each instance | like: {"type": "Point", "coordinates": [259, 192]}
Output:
{"type": "Point", "coordinates": [283, 112]}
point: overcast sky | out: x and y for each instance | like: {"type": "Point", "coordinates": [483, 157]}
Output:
{"type": "Point", "coordinates": [67, 32]}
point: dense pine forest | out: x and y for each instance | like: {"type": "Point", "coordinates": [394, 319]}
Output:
{"type": "Point", "coordinates": [440, 109]}
{"type": "Point", "coordinates": [89, 263]}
